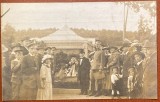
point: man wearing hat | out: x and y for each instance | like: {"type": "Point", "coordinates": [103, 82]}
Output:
{"type": "Point", "coordinates": [29, 74]}
{"type": "Point", "coordinates": [150, 71]}
{"type": "Point", "coordinates": [125, 63]}
{"type": "Point", "coordinates": [16, 72]}
{"type": "Point", "coordinates": [96, 71]}
{"type": "Point", "coordinates": [138, 59]}
{"type": "Point", "coordinates": [83, 73]}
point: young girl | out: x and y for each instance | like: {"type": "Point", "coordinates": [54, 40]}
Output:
{"type": "Point", "coordinates": [115, 80]}
{"type": "Point", "coordinates": [45, 92]}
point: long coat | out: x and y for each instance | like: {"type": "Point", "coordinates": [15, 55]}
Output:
{"type": "Point", "coordinates": [150, 77]}
{"type": "Point", "coordinates": [46, 93]}
{"type": "Point", "coordinates": [16, 78]}
{"type": "Point", "coordinates": [83, 71]}
{"type": "Point", "coordinates": [113, 61]}
{"type": "Point", "coordinates": [29, 78]}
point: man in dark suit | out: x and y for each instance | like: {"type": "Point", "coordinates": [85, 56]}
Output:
{"type": "Point", "coordinates": [29, 74]}
{"type": "Point", "coordinates": [138, 59]}
{"type": "Point", "coordinates": [83, 73]}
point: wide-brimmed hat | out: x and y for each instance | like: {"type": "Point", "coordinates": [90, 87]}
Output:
{"type": "Point", "coordinates": [139, 53]}
{"type": "Point", "coordinates": [45, 57]}
{"type": "Point", "coordinates": [125, 45]}
{"type": "Point", "coordinates": [18, 48]}
{"type": "Point", "coordinates": [4, 48]}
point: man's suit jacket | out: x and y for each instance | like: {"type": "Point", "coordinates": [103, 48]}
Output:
{"type": "Point", "coordinates": [126, 62]}
{"type": "Point", "coordinates": [84, 68]}
{"type": "Point", "coordinates": [29, 72]}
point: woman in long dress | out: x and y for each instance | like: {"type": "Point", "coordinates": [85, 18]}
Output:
{"type": "Point", "coordinates": [45, 92]}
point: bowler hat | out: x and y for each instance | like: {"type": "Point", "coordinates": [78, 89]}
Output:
{"type": "Point", "coordinates": [82, 51]}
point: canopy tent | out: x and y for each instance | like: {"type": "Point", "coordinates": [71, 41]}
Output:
{"type": "Point", "coordinates": [66, 38]}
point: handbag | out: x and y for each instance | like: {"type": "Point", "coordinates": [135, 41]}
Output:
{"type": "Point", "coordinates": [99, 75]}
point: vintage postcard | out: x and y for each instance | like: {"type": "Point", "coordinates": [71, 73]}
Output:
{"type": "Point", "coordinates": [79, 50]}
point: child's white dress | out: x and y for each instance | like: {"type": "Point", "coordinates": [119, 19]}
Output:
{"type": "Point", "coordinates": [46, 93]}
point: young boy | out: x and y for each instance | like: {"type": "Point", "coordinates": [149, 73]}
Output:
{"type": "Point", "coordinates": [115, 80]}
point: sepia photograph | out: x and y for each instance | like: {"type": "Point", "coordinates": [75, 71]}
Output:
{"type": "Point", "coordinates": [79, 50]}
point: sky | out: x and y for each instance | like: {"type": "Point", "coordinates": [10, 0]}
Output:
{"type": "Point", "coordinates": [88, 15]}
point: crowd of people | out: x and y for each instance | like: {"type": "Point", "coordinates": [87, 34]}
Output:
{"type": "Point", "coordinates": [29, 69]}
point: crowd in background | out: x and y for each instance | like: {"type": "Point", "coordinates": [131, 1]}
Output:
{"type": "Point", "coordinates": [29, 70]}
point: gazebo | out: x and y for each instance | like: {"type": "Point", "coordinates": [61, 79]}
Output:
{"type": "Point", "coordinates": [66, 39]}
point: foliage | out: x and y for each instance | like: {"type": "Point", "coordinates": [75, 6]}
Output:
{"type": "Point", "coordinates": [108, 37]}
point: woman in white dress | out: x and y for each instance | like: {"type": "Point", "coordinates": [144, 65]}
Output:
{"type": "Point", "coordinates": [45, 92]}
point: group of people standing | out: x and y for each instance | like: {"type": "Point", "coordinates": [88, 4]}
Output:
{"type": "Point", "coordinates": [128, 70]}
{"type": "Point", "coordinates": [125, 71]}
{"type": "Point", "coordinates": [29, 72]}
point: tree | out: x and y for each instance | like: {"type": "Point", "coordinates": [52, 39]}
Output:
{"type": "Point", "coordinates": [149, 6]}
{"type": "Point", "coordinates": [143, 29]}
{"type": "Point", "coordinates": [8, 35]}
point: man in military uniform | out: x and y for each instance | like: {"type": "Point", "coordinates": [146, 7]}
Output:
{"type": "Point", "coordinates": [96, 72]}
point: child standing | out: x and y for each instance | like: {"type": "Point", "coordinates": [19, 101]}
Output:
{"type": "Point", "coordinates": [131, 83]}
{"type": "Point", "coordinates": [45, 92]}
{"type": "Point", "coordinates": [115, 80]}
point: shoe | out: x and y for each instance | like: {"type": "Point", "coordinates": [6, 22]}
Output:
{"type": "Point", "coordinates": [91, 94]}
{"type": "Point", "coordinates": [97, 94]}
